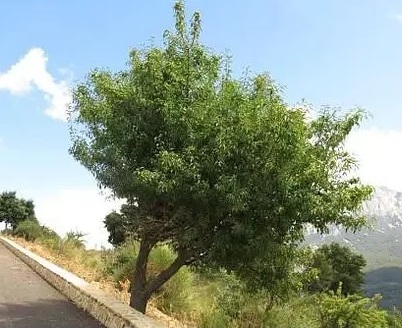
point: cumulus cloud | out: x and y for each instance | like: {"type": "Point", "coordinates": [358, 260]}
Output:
{"type": "Point", "coordinates": [76, 210]}
{"type": "Point", "coordinates": [31, 72]}
{"type": "Point", "coordinates": [379, 156]}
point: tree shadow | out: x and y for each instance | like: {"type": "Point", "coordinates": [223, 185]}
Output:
{"type": "Point", "coordinates": [45, 314]}
{"type": "Point", "coordinates": [387, 282]}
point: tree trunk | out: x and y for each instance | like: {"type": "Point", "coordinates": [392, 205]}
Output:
{"type": "Point", "coordinates": [138, 299]}
{"type": "Point", "coordinates": [141, 290]}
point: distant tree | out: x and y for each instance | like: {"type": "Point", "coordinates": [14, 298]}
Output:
{"type": "Point", "coordinates": [117, 226]}
{"type": "Point", "coordinates": [75, 238]}
{"type": "Point", "coordinates": [14, 210]}
{"type": "Point", "coordinates": [219, 168]}
{"type": "Point", "coordinates": [337, 265]}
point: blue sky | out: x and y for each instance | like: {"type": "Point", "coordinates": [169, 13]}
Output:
{"type": "Point", "coordinates": [336, 52]}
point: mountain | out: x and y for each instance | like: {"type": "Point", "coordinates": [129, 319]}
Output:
{"type": "Point", "coordinates": [381, 244]}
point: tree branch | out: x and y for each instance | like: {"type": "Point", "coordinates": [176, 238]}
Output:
{"type": "Point", "coordinates": [166, 274]}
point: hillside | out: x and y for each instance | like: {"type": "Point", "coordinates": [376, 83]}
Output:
{"type": "Point", "coordinates": [381, 244]}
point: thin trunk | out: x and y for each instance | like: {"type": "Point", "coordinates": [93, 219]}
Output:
{"type": "Point", "coordinates": [138, 299]}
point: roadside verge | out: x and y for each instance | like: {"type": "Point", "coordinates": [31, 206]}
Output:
{"type": "Point", "coordinates": [106, 309]}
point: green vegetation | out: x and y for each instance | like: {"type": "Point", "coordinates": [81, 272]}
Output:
{"type": "Point", "coordinates": [220, 177]}
{"type": "Point", "coordinates": [117, 226]}
{"type": "Point", "coordinates": [29, 230]}
{"type": "Point", "coordinates": [337, 265]}
{"type": "Point", "coordinates": [14, 210]}
{"type": "Point", "coordinates": [210, 298]}
{"type": "Point", "coordinates": [216, 167]}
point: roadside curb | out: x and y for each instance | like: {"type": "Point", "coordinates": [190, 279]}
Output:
{"type": "Point", "coordinates": [106, 309]}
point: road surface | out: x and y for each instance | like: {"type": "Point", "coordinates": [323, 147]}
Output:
{"type": "Point", "coordinates": [26, 300]}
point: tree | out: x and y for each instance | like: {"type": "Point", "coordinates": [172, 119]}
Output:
{"type": "Point", "coordinates": [14, 210]}
{"type": "Point", "coordinates": [219, 168]}
{"type": "Point", "coordinates": [117, 226]}
{"type": "Point", "coordinates": [338, 265]}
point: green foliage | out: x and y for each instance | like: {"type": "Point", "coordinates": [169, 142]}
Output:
{"type": "Point", "coordinates": [214, 319]}
{"type": "Point", "coordinates": [14, 210]}
{"type": "Point", "coordinates": [234, 306]}
{"type": "Point", "coordinates": [352, 311]}
{"type": "Point", "coordinates": [48, 233]}
{"type": "Point", "coordinates": [240, 305]}
{"type": "Point", "coordinates": [231, 297]}
{"type": "Point", "coordinates": [30, 230]}
{"type": "Point", "coordinates": [337, 265]}
{"type": "Point", "coordinates": [297, 312]}
{"type": "Point", "coordinates": [175, 297]}
{"type": "Point", "coordinates": [220, 168]}
{"type": "Point", "coordinates": [229, 303]}
{"type": "Point", "coordinates": [394, 319]}
{"type": "Point", "coordinates": [120, 261]}
{"type": "Point", "coordinates": [75, 238]}
{"type": "Point", "coordinates": [115, 224]}
{"type": "Point", "coordinates": [324, 310]}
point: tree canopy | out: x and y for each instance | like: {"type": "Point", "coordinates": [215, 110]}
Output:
{"type": "Point", "coordinates": [338, 266]}
{"type": "Point", "coordinates": [14, 210]}
{"type": "Point", "coordinates": [218, 167]}
{"type": "Point", "coordinates": [117, 224]}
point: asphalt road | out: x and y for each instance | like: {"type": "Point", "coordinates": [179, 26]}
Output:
{"type": "Point", "coordinates": [26, 300]}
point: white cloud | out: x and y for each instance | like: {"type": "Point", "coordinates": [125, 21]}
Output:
{"type": "Point", "coordinates": [379, 154]}
{"type": "Point", "coordinates": [31, 72]}
{"type": "Point", "coordinates": [399, 17]}
{"type": "Point", "coordinates": [76, 210]}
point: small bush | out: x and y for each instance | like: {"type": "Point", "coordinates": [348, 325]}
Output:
{"type": "Point", "coordinates": [214, 319]}
{"type": "Point", "coordinates": [52, 244]}
{"type": "Point", "coordinates": [352, 311]}
{"type": "Point", "coordinates": [297, 312]}
{"type": "Point", "coordinates": [75, 238]}
{"type": "Point", "coordinates": [50, 239]}
{"type": "Point", "coordinates": [232, 305]}
{"type": "Point", "coordinates": [394, 319]}
{"type": "Point", "coordinates": [30, 230]}
{"type": "Point", "coordinates": [119, 263]}
{"type": "Point", "coordinates": [231, 297]}
{"type": "Point", "coordinates": [48, 233]}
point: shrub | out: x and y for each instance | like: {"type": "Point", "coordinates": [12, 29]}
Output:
{"type": "Point", "coordinates": [297, 312]}
{"type": "Point", "coordinates": [231, 297]}
{"type": "Point", "coordinates": [214, 319]}
{"type": "Point", "coordinates": [75, 238]}
{"type": "Point", "coordinates": [30, 230]}
{"type": "Point", "coordinates": [352, 311]}
{"type": "Point", "coordinates": [234, 306]}
{"type": "Point", "coordinates": [394, 319]}
{"type": "Point", "coordinates": [48, 233]}
{"type": "Point", "coordinates": [119, 262]}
